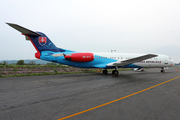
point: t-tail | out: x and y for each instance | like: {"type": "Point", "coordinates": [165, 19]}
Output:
{"type": "Point", "coordinates": [39, 40]}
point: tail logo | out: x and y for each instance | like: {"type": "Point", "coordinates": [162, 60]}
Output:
{"type": "Point", "coordinates": [42, 41]}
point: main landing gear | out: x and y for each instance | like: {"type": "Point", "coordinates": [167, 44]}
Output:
{"type": "Point", "coordinates": [114, 72]}
{"type": "Point", "coordinates": [162, 70]}
{"type": "Point", "coordinates": [105, 72]}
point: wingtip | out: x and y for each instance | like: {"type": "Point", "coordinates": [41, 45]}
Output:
{"type": "Point", "coordinates": [10, 24]}
{"type": "Point", "coordinates": [153, 55]}
{"type": "Point", "coordinates": [7, 23]}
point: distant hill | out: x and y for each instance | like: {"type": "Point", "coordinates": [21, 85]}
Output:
{"type": "Point", "coordinates": [26, 61]}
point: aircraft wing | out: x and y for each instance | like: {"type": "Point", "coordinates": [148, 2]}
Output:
{"type": "Point", "coordinates": [23, 30]}
{"type": "Point", "coordinates": [133, 60]}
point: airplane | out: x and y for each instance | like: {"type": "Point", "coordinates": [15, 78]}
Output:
{"type": "Point", "coordinates": [46, 50]}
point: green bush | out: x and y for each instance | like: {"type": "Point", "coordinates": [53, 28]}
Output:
{"type": "Point", "coordinates": [55, 70]}
{"type": "Point", "coordinates": [15, 70]}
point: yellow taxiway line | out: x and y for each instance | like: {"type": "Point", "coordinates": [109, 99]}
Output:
{"type": "Point", "coordinates": [118, 99]}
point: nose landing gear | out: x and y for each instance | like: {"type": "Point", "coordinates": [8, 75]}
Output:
{"type": "Point", "coordinates": [162, 70]}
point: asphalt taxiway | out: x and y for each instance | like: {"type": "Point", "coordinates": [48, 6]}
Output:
{"type": "Point", "coordinates": [92, 96]}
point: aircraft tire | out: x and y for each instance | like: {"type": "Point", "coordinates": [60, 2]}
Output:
{"type": "Point", "coordinates": [162, 71]}
{"type": "Point", "coordinates": [115, 73]}
{"type": "Point", "coordinates": [105, 72]}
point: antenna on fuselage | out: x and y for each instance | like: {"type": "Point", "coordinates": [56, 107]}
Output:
{"type": "Point", "coordinates": [113, 51]}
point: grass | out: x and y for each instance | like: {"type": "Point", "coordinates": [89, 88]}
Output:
{"type": "Point", "coordinates": [31, 66]}
{"type": "Point", "coordinates": [53, 67]}
{"type": "Point", "coordinates": [37, 74]}
{"type": "Point", "coordinates": [55, 70]}
{"type": "Point", "coordinates": [15, 70]}
{"type": "Point", "coordinates": [176, 66]}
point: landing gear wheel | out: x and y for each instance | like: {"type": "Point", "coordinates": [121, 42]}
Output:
{"type": "Point", "coordinates": [115, 73]}
{"type": "Point", "coordinates": [105, 72]}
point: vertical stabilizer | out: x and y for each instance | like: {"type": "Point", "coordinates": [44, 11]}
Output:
{"type": "Point", "coordinates": [40, 41]}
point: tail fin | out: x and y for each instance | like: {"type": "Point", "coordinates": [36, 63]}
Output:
{"type": "Point", "coordinates": [40, 41]}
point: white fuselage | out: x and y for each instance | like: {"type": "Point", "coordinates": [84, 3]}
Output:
{"type": "Point", "coordinates": [156, 62]}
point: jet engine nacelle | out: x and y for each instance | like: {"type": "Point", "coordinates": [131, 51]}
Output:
{"type": "Point", "coordinates": [80, 57]}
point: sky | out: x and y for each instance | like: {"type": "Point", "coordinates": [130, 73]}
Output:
{"type": "Point", "coordinates": [127, 26]}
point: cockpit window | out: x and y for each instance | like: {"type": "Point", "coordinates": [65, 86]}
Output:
{"type": "Point", "coordinates": [169, 58]}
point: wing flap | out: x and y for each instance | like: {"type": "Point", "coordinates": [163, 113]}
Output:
{"type": "Point", "coordinates": [133, 60]}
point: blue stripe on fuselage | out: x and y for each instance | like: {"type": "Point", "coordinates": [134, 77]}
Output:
{"type": "Point", "coordinates": [98, 62]}
{"type": "Point", "coordinates": [47, 55]}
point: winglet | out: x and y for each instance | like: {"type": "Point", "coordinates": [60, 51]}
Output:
{"type": "Point", "coordinates": [23, 30]}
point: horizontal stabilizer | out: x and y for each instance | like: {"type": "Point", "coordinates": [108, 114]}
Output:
{"type": "Point", "coordinates": [23, 30]}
